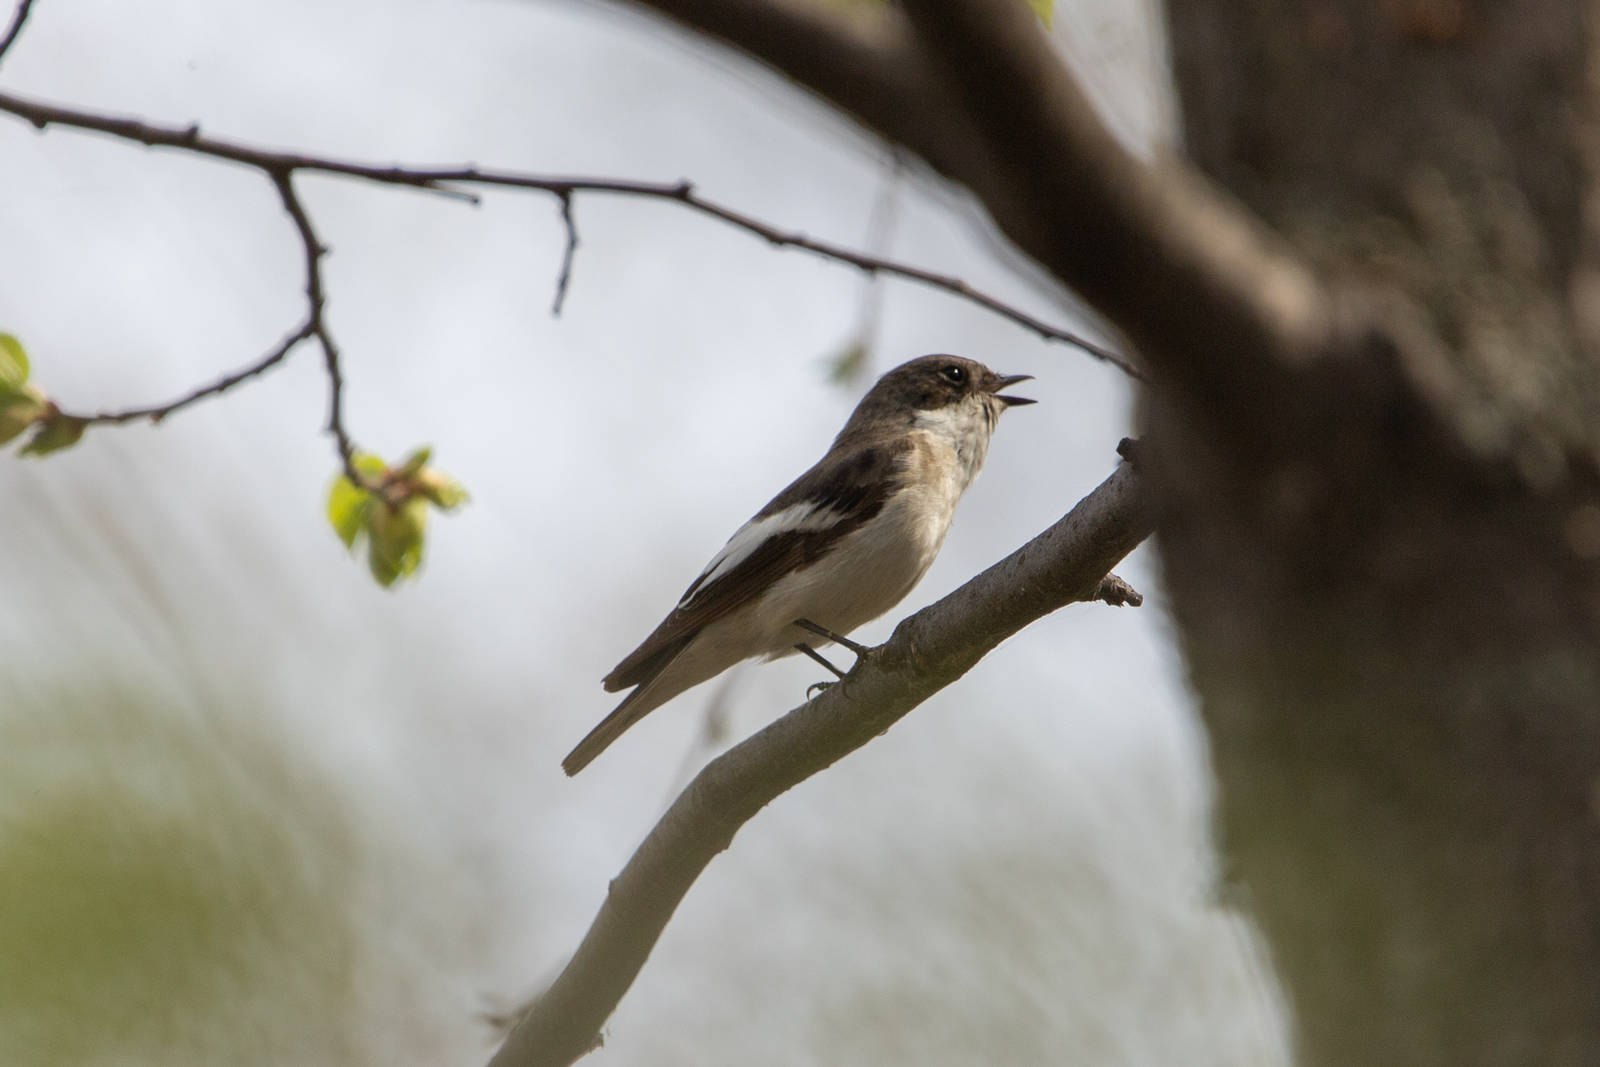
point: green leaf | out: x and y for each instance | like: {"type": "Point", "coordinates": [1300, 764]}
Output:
{"type": "Point", "coordinates": [370, 465]}
{"type": "Point", "coordinates": [392, 516]}
{"type": "Point", "coordinates": [13, 364]}
{"type": "Point", "coordinates": [395, 538]}
{"type": "Point", "coordinates": [347, 510]}
{"type": "Point", "coordinates": [349, 505]}
{"type": "Point", "coordinates": [383, 570]}
{"type": "Point", "coordinates": [1045, 9]}
{"type": "Point", "coordinates": [55, 432]}
{"type": "Point", "coordinates": [19, 410]}
{"type": "Point", "coordinates": [412, 464]}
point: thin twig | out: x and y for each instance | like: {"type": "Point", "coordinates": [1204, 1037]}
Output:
{"type": "Point", "coordinates": [685, 194]}
{"type": "Point", "coordinates": [157, 412]}
{"type": "Point", "coordinates": [317, 302]}
{"type": "Point", "coordinates": [571, 250]}
{"type": "Point", "coordinates": [15, 29]}
{"type": "Point", "coordinates": [313, 327]}
{"type": "Point", "coordinates": [442, 180]}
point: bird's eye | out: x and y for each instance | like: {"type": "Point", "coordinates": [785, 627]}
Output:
{"type": "Point", "coordinates": [954, 374]}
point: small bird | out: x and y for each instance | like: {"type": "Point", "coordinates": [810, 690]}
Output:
{"type": "Point", "coordinates": [844, 543]}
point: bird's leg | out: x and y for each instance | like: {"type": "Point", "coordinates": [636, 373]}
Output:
{"type": "Point", "coordinates": [820, 658]}
{"type": "Point", "coordinates": [843, 642]}
{"type": "Point", "coordinates": [838, 639]}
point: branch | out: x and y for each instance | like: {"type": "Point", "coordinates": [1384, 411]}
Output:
{"type": "Point", "coordinates": [861, 61]}
{"type": "Point", "coordinates": [18, 18]}
{"type": "Point", "coordinates": [974, 87]}
{"type": "Point", "coordinates": [313, 326]}
{"type": "Point", "coordinates": [448, 180]}
{"type": "Point", "coordinates": [928, 651]}
{"type": "Point", "coordinates": [157, 412]}
{"type": "Point", "coordinates": [1115, 591]}
{"type": "Point", "coordinates": [568, 254]}
{"type": "Point", "coordinates": [316, 302]}
{"type": "Point", "coordinates": [1155, 248]}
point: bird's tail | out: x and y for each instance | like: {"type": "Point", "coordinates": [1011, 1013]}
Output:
{"type": "Point", "coordinates": [635, 706]}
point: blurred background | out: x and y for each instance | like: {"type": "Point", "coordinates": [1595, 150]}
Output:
{"type": "Point", "coordinates": [256, 810]}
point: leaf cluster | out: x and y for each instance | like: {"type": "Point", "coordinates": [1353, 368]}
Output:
{"type": "Point", "coordinates": [25, 407]}
{"type": "Point", "coordinates": [388, 510]}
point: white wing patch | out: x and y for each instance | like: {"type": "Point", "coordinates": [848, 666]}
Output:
{"type": "Point", "coordinates": [752, 535]}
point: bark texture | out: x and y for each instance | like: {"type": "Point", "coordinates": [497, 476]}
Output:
{"type": "Point", "coordinates": [1387, 581]}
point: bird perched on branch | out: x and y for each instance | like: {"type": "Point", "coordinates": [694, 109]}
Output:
{"type": "Point", "coordinates": [844, 543]}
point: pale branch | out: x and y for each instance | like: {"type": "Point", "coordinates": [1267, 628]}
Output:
{"type": "Point", "coordinates": [1068, 562]}
{"type": "Point", "coordinates": [447, 181]}
{"type": "Point", "coordinates": [18, 18]}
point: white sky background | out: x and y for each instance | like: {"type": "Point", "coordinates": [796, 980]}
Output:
{"type": "Point", "coordinates": [1016, 873]}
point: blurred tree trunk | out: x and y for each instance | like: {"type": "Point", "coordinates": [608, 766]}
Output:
{"type": "Point", "coordinates": [1387, 586]}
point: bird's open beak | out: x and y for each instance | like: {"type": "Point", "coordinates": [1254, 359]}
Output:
{"type": "Point", "coordinates": [1005, 382]}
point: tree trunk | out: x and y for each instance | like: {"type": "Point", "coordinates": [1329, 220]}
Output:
{"type": "Point", "coordinates": [1386, 578]}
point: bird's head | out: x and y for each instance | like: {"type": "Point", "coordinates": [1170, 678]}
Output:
{"type": "Point", "coordinates": [940, 389]}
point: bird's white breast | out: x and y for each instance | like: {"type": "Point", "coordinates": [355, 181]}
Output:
{"type": "Point", "coordinates": [951, 443]}
{"type": "Point", "coordinates": [875, 566]}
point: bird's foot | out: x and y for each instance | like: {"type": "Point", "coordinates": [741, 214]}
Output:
{"type": "Point", "coordinates": [818, 687]}
{"type": "Point", "coordinates": [838, 639]}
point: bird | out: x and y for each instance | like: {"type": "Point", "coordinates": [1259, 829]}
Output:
{"type": "Point", "coordinates": [840, 546]}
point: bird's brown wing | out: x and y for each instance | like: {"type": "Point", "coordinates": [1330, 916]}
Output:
{"type": "Point", "coordinates": [833, 498]}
